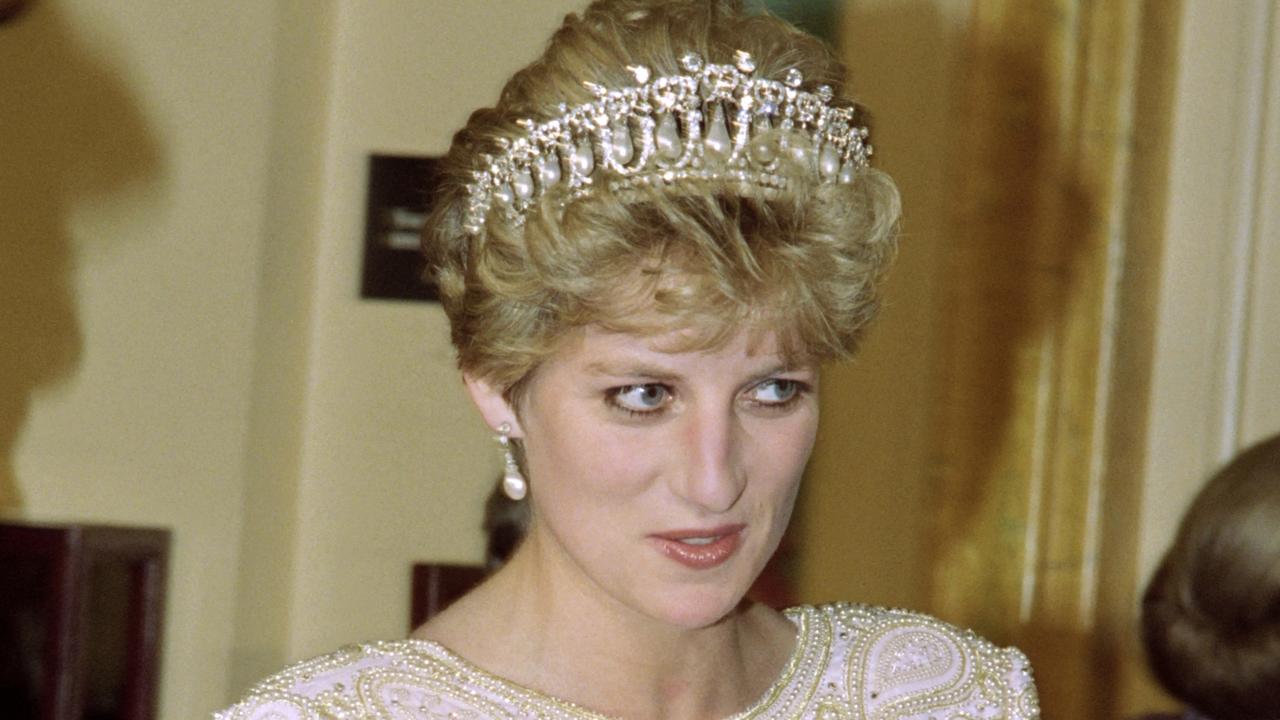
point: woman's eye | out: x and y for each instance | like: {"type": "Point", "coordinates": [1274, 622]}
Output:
{"type": "Point", "coordinates": [777, 391]}
{"type": "Point", "coordinates": [641, 398]}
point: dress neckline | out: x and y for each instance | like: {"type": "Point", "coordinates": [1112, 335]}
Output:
{"type": "Point", "coordinates": [800, 616]}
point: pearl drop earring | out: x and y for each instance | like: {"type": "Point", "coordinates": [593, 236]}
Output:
{"type": "Point", "coordinates": [513, 482]}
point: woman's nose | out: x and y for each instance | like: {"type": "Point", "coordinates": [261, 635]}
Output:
{"type": "Point", "coordinates": [710, 474]}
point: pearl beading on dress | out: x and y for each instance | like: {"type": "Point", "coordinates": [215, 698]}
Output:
{"type": "Point", "coordinates": [851, 662]}
{"type": "Point", "coordinates": [711, 123]}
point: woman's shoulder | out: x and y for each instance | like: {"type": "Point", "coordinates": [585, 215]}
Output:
{"type": "Point", "coordinates": [344, 683]}
{"type": "Point", "coordinates": [899, 663]}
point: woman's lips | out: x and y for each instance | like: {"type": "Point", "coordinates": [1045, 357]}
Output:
{"type": "Point", "coordinates": [700, 549]}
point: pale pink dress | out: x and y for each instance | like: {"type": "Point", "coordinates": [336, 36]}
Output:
{"type": "Point", "coordinates": [851, 662]}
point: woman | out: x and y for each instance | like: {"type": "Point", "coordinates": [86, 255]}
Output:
{"type": "Point", "coordinates": [1211, 614]}
{"type": "Point", "coordinates": [645, 250]}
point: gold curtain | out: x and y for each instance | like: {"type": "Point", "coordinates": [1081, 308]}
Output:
{"type": "Point", "coordinates": [1059, 170]}
{"type": "Point", "coordinates": [983, 459]}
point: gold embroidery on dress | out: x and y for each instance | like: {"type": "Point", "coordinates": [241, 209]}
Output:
{"type": "Point", "coordinates": [850, 662]}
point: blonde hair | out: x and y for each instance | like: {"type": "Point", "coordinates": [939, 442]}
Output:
{"type": "Point", "coordinates": [1211, 614]}
{"type": "Point", "coordinates": [712, 259]}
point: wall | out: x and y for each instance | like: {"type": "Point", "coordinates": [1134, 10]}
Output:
{"type": "Point", "coordinates": [1216, 360]}
{"type": "Point", "coordinates": [1217, 363]}
{"type": "Point", "coordinates": [185, 345]}
{"type": "Point", "coordinates": [277, 410]}
{"type": "Point", "coordinates": [134, 193]}
{"type": "Point", "coordinates": [190, 340]}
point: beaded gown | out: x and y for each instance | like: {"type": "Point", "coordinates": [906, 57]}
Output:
{"type": "Point", "coordinates": [850, 662]}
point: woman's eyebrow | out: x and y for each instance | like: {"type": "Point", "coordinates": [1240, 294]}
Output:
{"type": "Point", "coordinates": [774, 371]}
{"type": "Point", "coordinates": [631, 369]}
{"type": "Point", "coordinates": [779, 369]}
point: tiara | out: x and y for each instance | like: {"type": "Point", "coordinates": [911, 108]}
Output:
{"type": "Point", "coordinates": [710, 123]}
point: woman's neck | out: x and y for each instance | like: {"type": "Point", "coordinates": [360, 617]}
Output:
{"type": "Point", "coordinates": [549, 629]}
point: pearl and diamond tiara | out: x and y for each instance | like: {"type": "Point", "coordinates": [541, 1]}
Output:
{"type": "Point", "coordinates": [711, 123]}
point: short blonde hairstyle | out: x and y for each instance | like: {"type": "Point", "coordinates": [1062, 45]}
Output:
{"type": "Point", "coordinates": [1211, 614]}
{"type": "Point", "coordinates": [712, 259]}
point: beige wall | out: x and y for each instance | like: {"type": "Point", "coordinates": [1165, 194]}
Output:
{"type": "Point", "coordinates": [299, 92]}
{"type": "Point", "coordinates": [184, 345]}
{"type": "Point", "coordinates": [134, 199]}
{"type": "Point", "coordinates": [1216, 379]}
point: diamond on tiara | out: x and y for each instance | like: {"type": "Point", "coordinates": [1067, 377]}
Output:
{"type": "Point", "coordinates": [712, 123]}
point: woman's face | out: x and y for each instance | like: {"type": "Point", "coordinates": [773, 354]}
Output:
{"type": "Point", "coordinates": [663, 481]}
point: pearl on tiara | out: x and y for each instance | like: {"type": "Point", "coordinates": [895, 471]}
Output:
{"type": "Point", "coordinates": [712, 123]}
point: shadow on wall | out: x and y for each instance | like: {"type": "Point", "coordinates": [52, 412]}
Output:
{"type": "Point", "coordinates": [69, 130]}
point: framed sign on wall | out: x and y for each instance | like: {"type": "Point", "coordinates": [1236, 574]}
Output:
{"type": "Point", "coordinates": [399, 198]}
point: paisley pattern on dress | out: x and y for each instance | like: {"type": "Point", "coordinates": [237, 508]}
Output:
{"type": "Point", "coordinates": [851, 662]}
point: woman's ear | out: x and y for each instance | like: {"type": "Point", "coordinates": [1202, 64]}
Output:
{"type": "Point", "coordinates": [493, 407]}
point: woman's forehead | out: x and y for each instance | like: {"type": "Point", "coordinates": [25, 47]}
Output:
{"type": "Point", "coordinates": [595, 343]}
